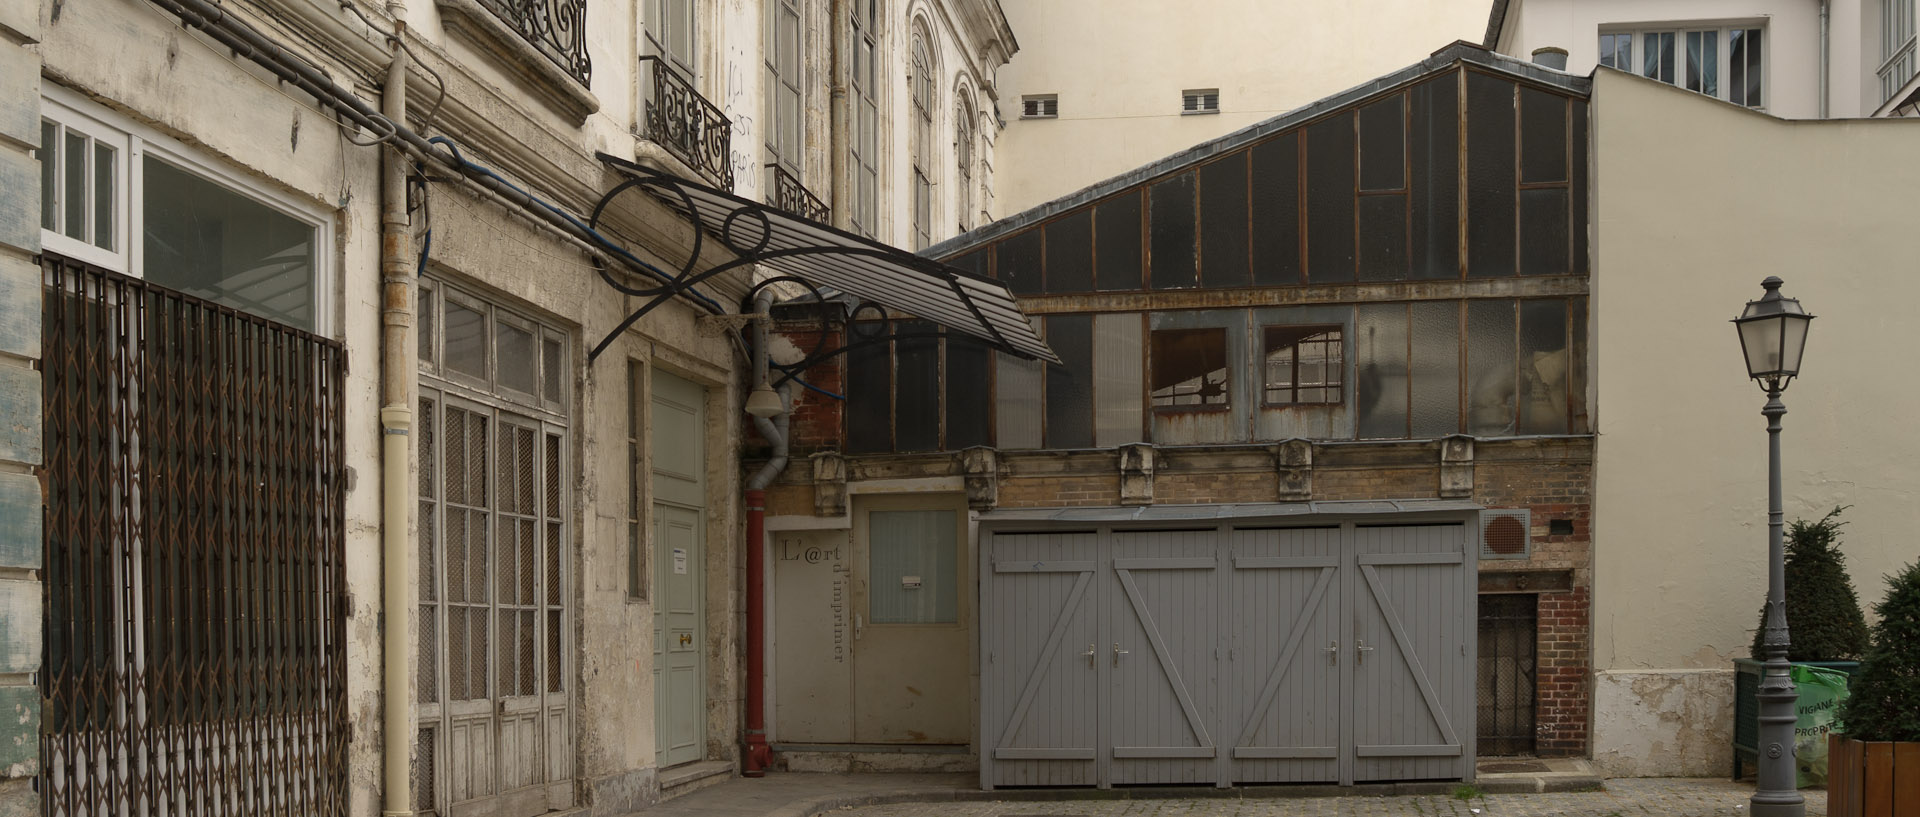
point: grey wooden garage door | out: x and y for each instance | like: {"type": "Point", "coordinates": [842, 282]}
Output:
{"type": "Point", "coordinates": [1232, 654]}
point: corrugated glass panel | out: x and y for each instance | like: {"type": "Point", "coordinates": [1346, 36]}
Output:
{"type": "Point", "coordinates": [1171, 222]}
{"type": "Point", "coordinates": [1330, 192]}
{"type": "Point", "coordinates": [1070, 252]}
{"type": "Point", "coordinates": [1380, 388]}
{"type": "Point", "coordinates": [1434, 180]}
{"type": "Point", "coordinates": [1069, 402]}
{"type": "Point", "coordinates": [1223, 222]}
{"type": "Point", "coordinates": [1490, 176]}
{"type": "Point", "coordinates": [974, 262]}
{"type": "Point", "coordinates": [1383, 144]}
{"type": "Point", "coordinates": [1118, 380]}
{"type": "Point", "coordinates": [869, 404]}
{"type": "Point", "coordinates": [1543, 367]}
{"type": "Point", "coordinates": [1577, 366]}
{"type": "Point", "coordinates": [916, 392]}
{"type": "Point", "coordinates": [1383, 237]}
{"type": "Point", "coordinates": [1117, 242]}
{"type": "Point", "coordinates": [1275, 202]}
{"type": "Point", "coordinates": [1543, 231]}
{"type": "Point", "coordinates": [1543, 136]}
{"type": "Point", "coordinates": [1578, 222]}
{"type": "Point", "coordinates": [968, 410]}
{"type": "Point", "coordinates": [913, 567]}
{"type": "Point", "coordinates": [1016, 402]}
{"type": "Point", "coordinates": [1016, 262]}
{"type": "Point", "coordinates": [1436, 368]}
{"type": "Point", "coordinates": [1490, 386]}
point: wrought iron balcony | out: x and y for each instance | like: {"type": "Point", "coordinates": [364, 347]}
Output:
{"type": "Point", "coordinates": [686, 124]}
{"type": "Point", "coordinates": [792, 196]}
{"type": "Point", "coordinates": [555, 28]}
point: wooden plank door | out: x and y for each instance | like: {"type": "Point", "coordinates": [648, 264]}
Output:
{"type": "Point", "coordinates": [1413, 643]}
{"type": "Point", "coordinates": [1161, 600]}
{"type": "Point", "coordinates": [1041, 663]}
{"type": "Point", "coordinates": [1282, 675]}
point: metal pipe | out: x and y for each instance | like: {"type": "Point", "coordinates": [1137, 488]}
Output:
{"type": "Point", "coordinates": [1825, 44]}
{"type": "Point", "coordinates": [397, 384]}
{"type": "Point", "coordinates": [1776, 790]}
{"type": "Point", "coordinates": [759, 755]}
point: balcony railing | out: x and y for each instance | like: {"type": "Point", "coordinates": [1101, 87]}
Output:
{"type": "Point", "coordinates": [792, 196]}
{"type": "Point", "coordinates": [1897, 70]}
{"type": "Point", "coordinates": [555, 28]}
{"type": "Point", "coordinates": [686, 124]}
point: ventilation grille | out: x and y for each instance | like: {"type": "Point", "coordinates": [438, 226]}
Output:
{"type": "Point", "coordinates": [1506, 534]}
{"type": "Point", "coordinates": [1200, 101]}
{"type": "Point", "coordinates": [1039, 106]}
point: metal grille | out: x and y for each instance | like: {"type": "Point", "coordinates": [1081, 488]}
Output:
{"type": "Point", "coordinates": [679, 119]}
{"type": "Point", "coordinates": [1506, 685]}
{"type": "Point", "coordinates": [195, 643]}
{"type": "Point", "coordinates": [424, 782]}
{"type": "Point", "coordinates": [555, 28]}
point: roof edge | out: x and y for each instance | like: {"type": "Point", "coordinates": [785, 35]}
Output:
{"type": "Point", "coordinates": [1496, 23]}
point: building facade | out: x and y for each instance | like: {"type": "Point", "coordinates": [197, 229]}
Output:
{"type": "Point", "coordinates": [370, 448]}
{"type": "Point", "coordinates": [1837, 58]}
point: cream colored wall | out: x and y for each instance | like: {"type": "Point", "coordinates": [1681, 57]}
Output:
{"type": "Point", "coordinates": [1792, 47]}
{"type": "Point", "coordinates": [1119, 66]}
{"type": "Point", "coordinates": [1684, 231]}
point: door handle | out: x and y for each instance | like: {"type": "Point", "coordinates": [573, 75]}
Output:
{"type": "Point", "coordinates": [1117, 652]}
{"type": "Point", "coordinates": [1362, 649]}
{"type": "Point", "coordinates": [859, 625]}
{"type": "Point", "coordinates": [1333, 652]}
{"type": "Point", "coordinates": [685, 639]}
{"type": "Point", "coordinates": [1089, 654]}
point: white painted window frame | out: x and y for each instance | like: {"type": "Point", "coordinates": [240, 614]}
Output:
{"type": "Point", "coordinates": [1636, 34]}
{"type": "Point", "coordinates": [135, 142]}
{"type": "Point", "coordinates": [1898, 49]}
{"type": "Point", "coordinates": [1045, 106]}
{"type": "Point", "coordinates": [1194, 101]}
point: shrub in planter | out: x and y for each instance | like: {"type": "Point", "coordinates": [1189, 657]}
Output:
{"type": "Point", "coordinates": [1874, 768]}
{"type": "Point", "coordinates": [1823, 612]}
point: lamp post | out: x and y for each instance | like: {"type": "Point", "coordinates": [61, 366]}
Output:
{"type": "Point", "coordinates": [1773, 333]}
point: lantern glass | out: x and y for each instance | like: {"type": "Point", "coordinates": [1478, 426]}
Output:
{"type": "Point", "coordinates": [1760, 339]}
{"type": "Point", "coordinates": [1773, 333]}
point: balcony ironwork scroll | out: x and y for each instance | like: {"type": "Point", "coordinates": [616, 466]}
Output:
{"type": "Point", "coordinates": [792, 196]}
{"type": "Point", "coordinates": [555, 28]}
{"type": "Point", "coordinates": [686, 124]}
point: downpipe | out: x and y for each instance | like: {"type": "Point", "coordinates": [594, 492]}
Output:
{"type": "Point", "coordinates": [396, 425]}
{"type": "Point", "coordinates": [1826, 40]}
{"type": "Point", "coordinates": [759, 755]}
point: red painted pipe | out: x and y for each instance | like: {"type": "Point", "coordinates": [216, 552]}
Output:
{"type": "Point", "coordinates": [759, 754]}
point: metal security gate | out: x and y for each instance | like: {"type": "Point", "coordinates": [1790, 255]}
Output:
{"type": "Point", "coordinates": [1507, 632]}
{"type": "Point", "coordinates": [195, 626]}
{"type": "Point", "coordinates": [1260, 650]}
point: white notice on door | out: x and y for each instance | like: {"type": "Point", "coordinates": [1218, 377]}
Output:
{"type": "Point", "coordinates": [680, 561]}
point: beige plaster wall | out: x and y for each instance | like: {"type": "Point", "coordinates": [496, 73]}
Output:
{"type": "Point", "coordinates": [1684, 231]}
{"type": "Point", "coordinates": [1119, 67]}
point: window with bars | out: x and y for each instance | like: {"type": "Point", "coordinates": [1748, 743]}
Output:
{"type": "Point", "coordinates": [1205, 100]}
{"type": "Point", "coordinates": [1304, 365]}
{"type": "Point", "coordinates": [1040, 106]}
{"type": "Point", "coordinates": [1724, 63]}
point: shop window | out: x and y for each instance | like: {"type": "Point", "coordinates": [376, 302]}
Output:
{"type": "Point", "coordinates": [1304, 365]}
{"type": "Point", "coordinates": [1190, 369]}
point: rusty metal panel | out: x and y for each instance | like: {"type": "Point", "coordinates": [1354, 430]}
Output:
{"type": "Point", "coordinates": [1183, 425]}
{"type": "Point", "coordinates": [1170, 255]}
{"type": "Point", "coordinates": [1274, 170]}
{"type": "Point", "coordinates": [1223, 222]}
{"type": "Point", "coordinates": [1117, 243]}
{"type": "Point", "coordinates": [1119, 385]}
{"type": "Point", "coordinates": [1330, 199]}
{"type": "Point", "coordinates": [1381, 383]}
{"type": "Point", "coordinates": [1490, 176]}
{"type": "Point", "coordinates": [195, 651]}
{"type": "Point", "coordinates": [1310, 421]}
{"type": "Point", "coordinates": [1070, 252]}
{"type": "Point", "coordinates": [1434, 179]}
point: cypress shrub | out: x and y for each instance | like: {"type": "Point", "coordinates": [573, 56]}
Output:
{"type": "Point", "coordinates": [1884, 702]}
{"type": "Point", "coordinates": [1823, 613]}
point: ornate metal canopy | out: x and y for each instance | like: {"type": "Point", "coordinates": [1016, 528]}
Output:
{"type": "Point", "coordinates": [792, 246]}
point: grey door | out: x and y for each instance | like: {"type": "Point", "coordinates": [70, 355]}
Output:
{"type": "Point", "coordinates": [679, 612]}
{"type": "Point", "coordinates": [1238, 654]}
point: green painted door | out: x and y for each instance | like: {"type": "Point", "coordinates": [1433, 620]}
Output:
{"type": "Point", "coordinates": [679, 625]}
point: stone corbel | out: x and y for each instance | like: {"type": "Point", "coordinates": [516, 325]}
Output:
{"type": "Point", "coordinates": [980, 466]}
{"type": "Point", "coordinates": [1456, 467]}
{"type": "Point", "coordinates": [829, 484]}
{"type": "Point", "coordinates": [1293, 464]}
{"type": "Point", "coordinates": [1136, 474]}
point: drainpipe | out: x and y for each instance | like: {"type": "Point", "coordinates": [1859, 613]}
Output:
{"type": "Point", "coordinates": [396, 423]}
{"type": "Point", "coordinates": [1825, 43]}
{"type": "Point", "coordinates": [837, 144]}
{"type": "Point", "coordinates": [775, 430]}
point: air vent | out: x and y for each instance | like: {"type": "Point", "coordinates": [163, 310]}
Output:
{"type": "Point", "coordinates": [1506, 534]}
{"type": "Point", "coordinates": [1203, 100]}
{"type": "Point", "coordinates": [1039, 106]}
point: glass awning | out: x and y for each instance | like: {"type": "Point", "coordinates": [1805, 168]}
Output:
{"type": "Point", "coordinates": [786, 244]}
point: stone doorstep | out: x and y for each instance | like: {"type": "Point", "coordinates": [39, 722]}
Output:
{"type": "Point", "coordinates": [691, 777]}
{"type": "Point", "coordinates": [1559, 774]}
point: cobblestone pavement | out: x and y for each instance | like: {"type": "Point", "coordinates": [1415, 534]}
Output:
{"type": "Point", "coordinates": [1622, 798]}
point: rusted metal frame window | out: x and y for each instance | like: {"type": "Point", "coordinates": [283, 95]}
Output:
{"type": "Point", "coordinates": [1189, 370]}
{"type": "Point", "coordinates": [1319, 348]}
{"type": "Point", "coordinates": [194, 555]}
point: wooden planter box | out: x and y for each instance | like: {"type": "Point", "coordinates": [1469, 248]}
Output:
{"type": "Point", "coordinates": [1872, 779]}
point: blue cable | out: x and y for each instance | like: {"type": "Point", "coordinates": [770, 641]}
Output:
{"type": "Point", "coordinates": [604, 243]}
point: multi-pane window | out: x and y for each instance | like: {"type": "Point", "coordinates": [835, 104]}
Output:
{"type": "Point", "coordinates": [781, 38]}
{"type": "Point", "coordinates": [1039, 106]}
{"type": "Point", "coordinates": [1189, 368]}
{"type": "Point", "coordinates": [670, 34]}
{"type": "Point", "coordinates": [80, 185]}
{"type": "Point", "coordinates": [1204, 100]}
{"type": "Point", "coordinates": [1897, 57]}
{"type": "Point", "coordinates": [1725, 63]}
{"type": "Point", "coordinates": [921, 82]}
{"type": "Point", "coordinates": [1304, 365]}
{"type": "Point", "coordinates": [963, 165]}
{"type": "Point", "coordinates": [910, 388]}
{"type": "Point", "coordinates": [865, 149]}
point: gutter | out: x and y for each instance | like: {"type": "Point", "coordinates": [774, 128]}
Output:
{"type": "Point", "coordinates": [759, 755]}
{"type": "Point", "coordinates": [397, 385]}
{"type": "Point", "coordinates": [1826, 39]}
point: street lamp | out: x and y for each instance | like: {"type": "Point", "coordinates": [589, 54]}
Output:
{"type": "Point", "coordinates": [1773, 332]}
